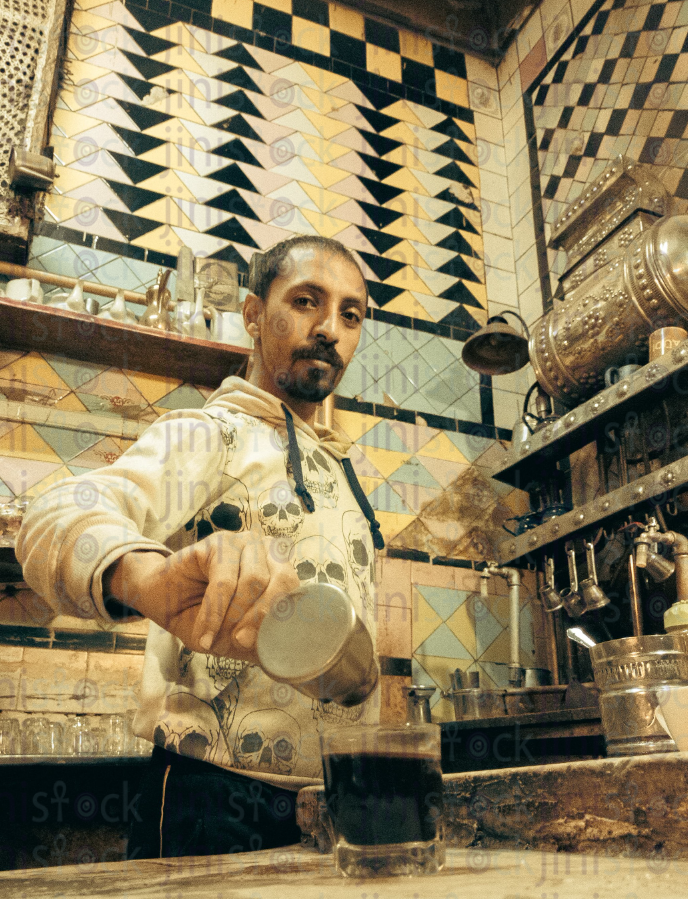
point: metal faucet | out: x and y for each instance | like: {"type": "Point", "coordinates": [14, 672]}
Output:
{"type": "Point", "coordinates": [513, 579]}
{"type": "Point", "coordinates": [645, 557]}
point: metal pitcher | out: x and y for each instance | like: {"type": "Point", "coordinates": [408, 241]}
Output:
{"type": "Point", "coordinates": [313, 639]}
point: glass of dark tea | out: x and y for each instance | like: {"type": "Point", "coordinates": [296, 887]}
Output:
{"type": "Point", "coordinates": [383, 787]}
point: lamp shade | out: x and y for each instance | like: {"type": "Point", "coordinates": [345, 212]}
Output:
{"type": "Point", "coordinates": [496, 349]}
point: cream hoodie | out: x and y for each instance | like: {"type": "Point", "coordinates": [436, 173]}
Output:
{"type": "Point", "coordinates": [191, 473]}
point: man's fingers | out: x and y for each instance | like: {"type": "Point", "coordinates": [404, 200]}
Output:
{"type": "Point", "coordinates": [283, 580]}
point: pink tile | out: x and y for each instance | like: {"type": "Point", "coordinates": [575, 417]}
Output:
{"type": "Point", "coordinates": [352, 238]}
{"type": "Point", "coordinates": [352, 187]}
{"type": "Point", "coordinates": [268, 131]}
{"type": "Point", "coordinates": [267, 60]}
{"type": "Point", "coordinates": [264, 181]}
{"type": "Point", "coordinates": [533, 64]}
{"type": "Point", "coordinates": [266, 208]}
{"type": "Point", "coordinates": [352, 212]}
{"type": "Point", "coordinates": [264, 235]}
{"type": "Point", "coordinates": [363, 467]}
{"type": "Point", "coordinates": [349, 91]}
{"type": "Point", "coordinates": [351, 116]}
{"type": "Point", "coordinates": [414, 496]}
{"type": "Point", "coordinates": [353, 163]}
{"type": "Point", "coordinates": [432, 575]}
{"type": "Point", "coordinates": [394, 584]}
{"type": "Point", "coordinates": [354, 139]}
{"type": "Point", "coordinates": [20, 475]}
{"type": "Point", "coordinates": [394, 631]}
{"type": "Point", "coordinates": [271, 109]}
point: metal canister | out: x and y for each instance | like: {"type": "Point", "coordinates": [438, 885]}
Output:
{"type": "Point", "coordinates": [629, 672]}
{"type": "Point", "coordinates": [313, 640]}
{"type": "Point", "coordinates": [613, 312]}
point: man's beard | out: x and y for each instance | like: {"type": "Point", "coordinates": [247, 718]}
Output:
{"type": "Point", "coordinates": [314, 384]}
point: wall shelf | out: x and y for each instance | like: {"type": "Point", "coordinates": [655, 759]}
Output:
{"type": "Point", "coordinates": [33, 327]}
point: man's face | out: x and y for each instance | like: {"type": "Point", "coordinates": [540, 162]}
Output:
{"type": "Point", "coordinates": [309, 324]}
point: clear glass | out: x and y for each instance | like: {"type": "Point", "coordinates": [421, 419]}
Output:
{"type": "Point", "coordinates": [115, 727]}
{"type": "Point", "coordinates": [10, 736]}
{"type": "Point", "coordinates": [77, 738]}
{"type": "Point", "coordinates": [55, 738]}
{"type": "Point", "coordinates": [385, 799]}
{"type": "Point", "coordinates": [35, 736]}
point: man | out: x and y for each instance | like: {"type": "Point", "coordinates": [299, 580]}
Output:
{"type": "Point", "coordinates": [208, 519]}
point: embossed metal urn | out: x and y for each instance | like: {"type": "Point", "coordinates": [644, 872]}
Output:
{"type": "Point", "coordinates": [626, 275]}
{"type": "Point", "coordinates": [629, 673]}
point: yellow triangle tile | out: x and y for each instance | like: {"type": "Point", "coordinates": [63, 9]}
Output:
{"type": "Point", "coordinates": [441, 447]}
{"type": "Point", "coordinates": [368, 485]}
{"type": "Point", "coordinates": [71, 403]}
{"type": "Point", "coordinates": [179, 34]}
{"type": "Point", "coordinates": [386, 461]}
{"type": "Point", "coordinates": [479, 291]}
{"type": "Point", "coordinates": [408, 204]}
{"type": "Point", "coordinates": [171, 157]}
{"type": "Point", "coordinates": [467, 128]}
{"type": "Point", "coordinates": [174, 132]}
{"type": "Point", "coordinates": [180, 57]}
{"type": "Point", "coordinates": [439, 668]}
{"type": "Point", "coordinates": [403, 133]}
{"type": "Point", "coordinates": [462, 625]}
{"type": "Point", "coordinates": [62, 207]}
{"type": "Point", "coordinates": [167, 212]}
{"type": "Point", "coordinates": [401, 110]}
{"type": "Point", "coordinates": [24, 443]}
{"type": "Point", "coordinates": [167, 182]}
{"type": "Point", "coordinates": [499, 650]}
{"type": "Point", "coordinates": [89, 4]}
{"type": "Point", "coordinates": [176, 105]}
{"type": "Point", "coordinates": [163, 240]}
{"type": "Point", "coordinates": [60, 474]}
{"type": "Point", "coordinates": [353, 424]}
{"type": "Point", "coordinates": [404, 155]}
{"type": "Point", "coordinates": [407, 304]}
{"type": "Point", "coordinates": [66, 149]}
{"type": "Point", "coordinates": [406, 252]}
{"type": "Point", "coordinates": [152, 387]}
{"type": "Point", "coordinates": [81, 48]}
{"type": "Point", "coordinates": [404, 227]}
{"type": "Point", "coordinates": [406, 180]}
{"type": "Point", "coordinates": [82, 72]}
{"type": "Point", "coordinates": [325, 200]}
{"type": "Point", "coordinates": [324, 103]}
{"type": "Point", "coordinates": [392, 523]}
{"type": "Point", "coordinates": [178, 80]}
{"type": "Point", "coordinates": [326, 150]}
{"type": "Point", "coordinates": [325, 80]}
{"type": "Point", "coordinates": [425, 620]}
{"type": "Point", "coordinates": [33, 369]}
{"type": "Point", "coordinates": [73, 122]}
{"type": "Point", "coordinates": [328, 127]}
{"type": "Point", "coordinates": [327, 175]}
{"type": "Point", "coordinates": [325, 225]}
{"type": "Point", "coordinates": [475, 241]}
{"type": "Point", "coordinates": [477, 266]}
{"type": "Point", "coordinates": [87, 22]}
{"type": "Point", "coordinates": [407, 279]}
{"type": "Point", "coordinates": [69, 179]}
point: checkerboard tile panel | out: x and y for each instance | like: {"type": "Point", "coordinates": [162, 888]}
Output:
{"type": "Point", "coordinates": [618, 87]}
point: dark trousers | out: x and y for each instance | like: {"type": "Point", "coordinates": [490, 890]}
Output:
{"type": "Point", "coordinates": [207, 811]}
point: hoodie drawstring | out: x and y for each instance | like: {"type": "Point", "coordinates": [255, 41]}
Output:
{"type": "Point", "coordinates": [362, 500]}
{"type": "Point", "coordinates": [295, 462]}
{"type": "Point", "coordinates": [304, 492]}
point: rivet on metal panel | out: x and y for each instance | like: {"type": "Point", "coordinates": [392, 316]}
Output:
{"type": "Point", "coordinates": [570, 419]}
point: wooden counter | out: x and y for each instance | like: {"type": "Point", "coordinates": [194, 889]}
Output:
{"type": "Point", "coordinates": [297, 873]}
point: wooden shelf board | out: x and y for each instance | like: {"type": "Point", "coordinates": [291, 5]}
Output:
{"type": "Point", "coordinates": [33, 327]}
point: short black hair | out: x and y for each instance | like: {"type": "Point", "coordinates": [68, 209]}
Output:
{"type": "Point", "coordinates": [265, 267]}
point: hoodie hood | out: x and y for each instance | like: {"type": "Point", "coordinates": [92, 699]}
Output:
{"type": "Point", "coordinates": [236, 395]}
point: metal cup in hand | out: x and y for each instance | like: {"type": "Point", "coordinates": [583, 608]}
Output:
{"type": "Point", "coordinates": [313, 639]}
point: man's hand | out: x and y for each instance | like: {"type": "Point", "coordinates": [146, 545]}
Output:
{"type": "Point", "coordinates": [212, 594]}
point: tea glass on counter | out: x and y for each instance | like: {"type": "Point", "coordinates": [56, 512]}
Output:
{"type": "Point", "coordinates": [385, 799]}
{"type": "Point", "coordinates": [35, 739]}
{"type": "Point", "coordinates": [10, 736]}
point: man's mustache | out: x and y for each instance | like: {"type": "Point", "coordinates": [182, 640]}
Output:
{"type": "Point", "coordinates": [319, 351]}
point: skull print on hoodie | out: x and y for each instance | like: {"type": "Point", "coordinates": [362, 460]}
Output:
{"type": "Point", "coordinates": [193, 472]}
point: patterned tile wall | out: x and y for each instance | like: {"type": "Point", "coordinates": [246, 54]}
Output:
{"type": "Point", "coordinates": [230, 127]}
{"type": "Point", "coordinates": [616, 85]}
